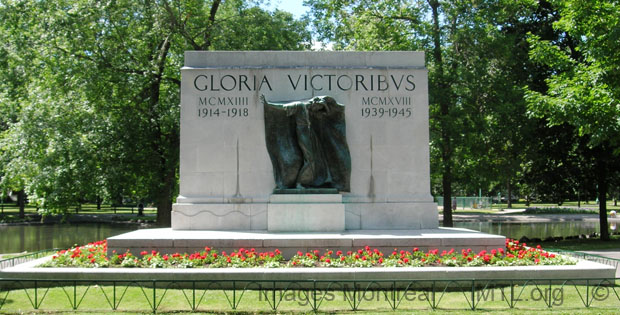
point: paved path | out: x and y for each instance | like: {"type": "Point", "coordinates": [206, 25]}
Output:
{"type": "Point", "coordinates": [610, 253]}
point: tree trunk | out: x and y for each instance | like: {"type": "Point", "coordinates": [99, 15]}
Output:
{"type": "Point", "coordinates": [447, 201]}
{"type": "Point", "coordinates": [602, 197]}
{"type": "Point", "coordinates": [164, 199]}
{"type": "Point", "coordinates": [21, 203]}
{"type": "Point", "coordinates": [99, 203]}
{"type": "Point", "coordinates": [444, 108]}
{"type": "Point", "coordinates": [527, 200]}
{"type": "Point", "coordinates": [164, 210]}
{"type": "Point", "coordinates": [509, 203]}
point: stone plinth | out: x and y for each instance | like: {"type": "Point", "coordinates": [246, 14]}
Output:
{"type": "Point", "coordinates": [305, 213]}
{"type": "Point", "coordinates": [170, 241]}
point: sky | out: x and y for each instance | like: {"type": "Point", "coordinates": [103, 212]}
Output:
{"type": "Point", "coordinates": [294, 6]}
{"type": "Point", "coordinates": [298, 9]}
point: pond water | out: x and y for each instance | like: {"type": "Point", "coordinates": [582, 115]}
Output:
{"type": "Point", "coordinates": [14, 239]}
{"type": "Point", "coordinates": [540, 230]}
{"type": "Point", "coordinates": [19, 238]}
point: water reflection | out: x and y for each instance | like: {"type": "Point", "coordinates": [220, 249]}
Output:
{"type": "Point", "coordinates": [21, 238]}
{"type": "Point", "coordinates": [532, 229]}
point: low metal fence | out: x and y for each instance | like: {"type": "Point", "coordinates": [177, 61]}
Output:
{"type": "Point", "coordinates": [469, 202]}
{"type": "Point", "coordinates": [590, 257]}
{"type": "Point", "coordinates": [23, 258]}
{"type": "Point", "coordinates": [309, 295]}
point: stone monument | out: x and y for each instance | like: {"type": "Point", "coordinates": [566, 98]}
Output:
{"type": "Point", "coordinates": [227, 174]}
{"type": "Point", "coordinates": [304, 150]}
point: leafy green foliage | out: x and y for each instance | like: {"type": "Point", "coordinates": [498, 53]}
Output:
{"type": "Point", "coordinates": [92, 91]}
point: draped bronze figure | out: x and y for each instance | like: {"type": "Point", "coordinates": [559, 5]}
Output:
{"type": "Point", "coordinates": [307, 144]}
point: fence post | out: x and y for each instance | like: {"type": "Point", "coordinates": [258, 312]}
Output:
{"type": "Point", "coordinates": [36, 303]}
{"type": "Point", "coordinates": [512, 293]}
{"type": "Point", "coordinates": [75, 295]}
{"type": "Point", "coordinates": [433, 294]}
{"type": "Point", "coordinates": [194, 296]}
{"type": "Point", "coordinates": [473, 294]}
{"type": "Point", "coordinates": [114, 295]}
{"type": "Point", "coordinates": [154, 296]}
{"type": "Point", "coordinates": [234, 296]}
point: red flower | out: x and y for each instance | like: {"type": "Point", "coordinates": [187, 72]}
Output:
{"type": "Point", "coordinates": [144, 253]}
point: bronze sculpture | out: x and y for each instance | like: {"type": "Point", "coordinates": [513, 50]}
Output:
{"type": "Point", "coordinates": [306, 141]}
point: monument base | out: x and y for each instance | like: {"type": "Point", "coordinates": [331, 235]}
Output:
{"type": "Point", "coordinates": [171, 241]}
{"type": "Point", "coordinates": [250, 215]}
{"type": "Point", "coordinates": [305, 213]}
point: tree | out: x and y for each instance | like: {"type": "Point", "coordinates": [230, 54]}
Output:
{"type": "Point", "coordinates": [584, 90]}
{"type": "Point", "coordinates": [476, 101]}
{"type": "Point", "coordinates": [100, 113]}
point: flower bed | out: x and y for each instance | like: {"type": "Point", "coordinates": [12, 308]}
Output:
{"type": "Point", "coordinates": [93, 255]}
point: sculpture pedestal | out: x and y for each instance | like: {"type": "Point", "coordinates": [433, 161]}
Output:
{"type": "Point", "coordinates": [305, 213]}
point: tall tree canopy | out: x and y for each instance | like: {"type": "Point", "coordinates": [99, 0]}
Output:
{"type": "Point", "coordinates": [92, 90]}
{"type": "Point", "coordinates": [584, 89]}
{"type": "Point", "coordinates": [476, 101]}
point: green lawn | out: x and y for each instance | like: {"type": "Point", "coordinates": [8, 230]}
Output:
{"type": "Point", "coordinates": [528, 300]}
{"type": "Point", "coordinates": [572, 204]}
{"type": "Point", "coordinates": [583, 244]}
